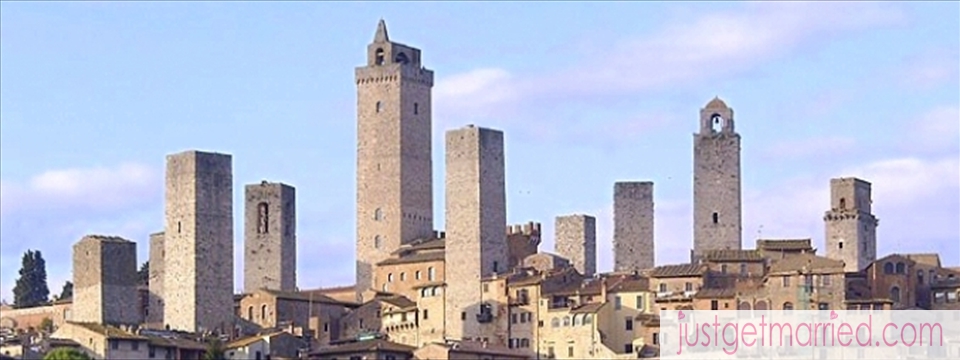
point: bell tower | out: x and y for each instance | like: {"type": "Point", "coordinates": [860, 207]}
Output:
{"type": "Point", "coordinates": [716, 181]}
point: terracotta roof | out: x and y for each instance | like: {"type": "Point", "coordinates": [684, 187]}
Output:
{"type": "Point", "coordinates": [681, 270]}
{"type": "Point", "coordinates": [631, 284]}
{"type": "Point", "coordinates": [109, 331]}
{"type": "Point", "coordinates": [175, 343]}
{"type": "Point", "coordinates": [716, 103]}
{"type": "Point", "coordinates": [587, 308]}
{"type": "Point", "coordinates": [422, 244]}
{"type": "Point", "coordinates": [807, 263]}
{"type": "Point", "coordinates": [925, 259]}
{"type": "Point", "coordinates": [365, 346]}
{"type": "Point", "coordinates": [732, 255]}
{"type": "Point", "coordinates": [784, 244]}
{"type": "Point", "coordinates": [716, 293]}
{"type": "Point", "coordinates": [249, 340]}
{"type": "Point", "coordinates": [414, 258]}
{"type": "Point", "coordinates": [400, 301]}
{"type": "Point", "coordinates": [304, 296]}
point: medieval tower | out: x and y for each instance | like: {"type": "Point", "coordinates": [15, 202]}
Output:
{"type": "Point", "coordinates": [198, 242]}
{"type": "Point", "coordinates": [476, 216]}
{"type": "Point", "coordinates": [851, 228]}
{"type": "Point", "coordinates": [576, 240]}
{"type": "Point", "coordinates": [716, 181]}
{"type": "Point", "coordinates": [394, 158]}
{"type": "Point", "coordinates": [155, 298]}
{"type": "Point", "coordinates": [270, 241]}
{"type": "Point", "coordinates": [105, 281]}
{"type": "Point", "coordinates": [633, 245]}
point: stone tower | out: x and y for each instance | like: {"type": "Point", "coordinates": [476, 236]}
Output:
{"type": "Point", "coordinates": [476, 216]}
{"type": "Point", "coordinates": [851, 228]}
{"type": "Point", "coordinates": [394, 158]}
{"type": "Point", "coordinates": [576, 240]}
{"type": "Point", "coordinates": [155, 301]}
{"type": "Point", "coordinates": [270, 237]}
{"type": "Point", "coordinates": [716, 181]}
{"type": "Point", "coordinates": [633, 245]}
{"type": "Point", "coordinates": [198, 241]}
{"type": "Point", "coordinates": [105, 281]}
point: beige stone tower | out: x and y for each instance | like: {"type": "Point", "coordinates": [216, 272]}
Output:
{"type": "Point", "coordinates": [633, 242]}
{"type": "Point", "coordinates": [576, 240]}
{"type": "Point", "coordinates": [155, 301]}
{"type": "Point", "coordinates": [851, 228]}
{"type": "Point", "coordinates": [105, 281]}
{"type": "Point", "coordinates": [716, 181]}
{"type": "Point", "coordinates": [476, 216]}
{"type": "Point", "coordinates": [394, 158]}
{"type": "Point", "coordinates": [270, 237]}
{"type": "Point", "coordinates": [198, 241]}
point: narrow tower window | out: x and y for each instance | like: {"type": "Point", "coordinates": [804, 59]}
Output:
{"type": "Point", "coordinates": [378, 214]}
{"type": "Point", "coordinates": [716, 122]}
{"type": "Point", "coordinates": [262, 218]}
{"type": "Point", "coordinates": [843, 204]}
{"type": "Point", "coordinates": [379, 57]}
{"type": "Point", "coordinates": [379, 106]}
{"type": "Point", "coordinates": [716, 218]}
{"type": "Point", "coordinates": [376, 242]}
{"type": "Point", "coordinates": [416, 108]}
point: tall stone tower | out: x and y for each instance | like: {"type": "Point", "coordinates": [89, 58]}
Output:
{"type": "Point", "coordinates": [476, 216]}
{"type": "Point", "coordinates": [633, 242]}
{"type": "Point", "coordinates": [394, 158]}
{"type": "Point", "coordinates": [576, 240]}
{"type": "Point", "coordinates": [270, 237]}
{"type": "Point", "coordinates": [105, 281]}
{"type": "Point", "coordinates": [716, 181]}
{"type": "Point", "coordinates": [851, 228]}
{"type": "Point", "coordinates": [155, 301]}
{"type": "Point", "coordinates": [198, 241]}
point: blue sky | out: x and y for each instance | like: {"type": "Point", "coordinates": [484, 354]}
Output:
{"type": "Point", "coordinates": [94, 95]}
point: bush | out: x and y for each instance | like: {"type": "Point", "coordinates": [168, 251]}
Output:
{"type": "Point", "coordinates": [66, 354]}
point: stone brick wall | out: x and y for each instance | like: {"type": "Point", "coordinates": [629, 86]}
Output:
{"type": "Point", "coordinates": [633, 239]}
{"type": "Point", "coordinates": [716, 181]}
{"type": "Point", "coordinates": [576, 239]}
{"type": "Point", "coordinates": [851, 234]}
{"type": "Point", "coordinates": [270, 237]}
{"type": "Point", "coordinates": [394, 154]}
{"type": "Point", "coordinates": [407, 278]}
{"type": "Point", "coordinates": [198, 241]}
{"type": "Point", "coordinates": [155, 298]}
{"type": "Point", "coordinates": [105, 281]}
{"type": "Point", "coordinates": [476, 219]}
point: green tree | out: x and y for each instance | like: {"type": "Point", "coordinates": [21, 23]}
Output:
{"type": "Point", "coordinates": [67, 291]}
{"type": "Point", "coordinates": [143, 275]}
{"type": "Point", "coordinates": [215, 350]}
{"type": "Point", "coordinates": [66, 354]}
{"type": "Point", "coordinates": [31, 288]}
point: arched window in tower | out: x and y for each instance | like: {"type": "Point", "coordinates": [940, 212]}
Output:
{"type": "Point", "coordinates": [716, 218]}
{"type": "Point", "coordinates": [263, 312]}
{"type": "Point", "coordinates": [379, 106]}
{"type": "Point", "coordinates": [250, 313]}
{"type": "Point", "coordinates": [895, 294]}
{"type": "Point", "coordinates": [888, 268]}
{"type": "Point", "coordinates": [376, 242]}
{"type": "Point", "coordinates": [416, 108]}
{"type": "Point", "coordinates": [401, 59]}
{"type": "Point", "coordinates": [843, 204]}
{"type": "Point", "coordinates": [901, 268]}
{"type": "Point", "coordinates": [716, 122]}
{"type": "Point", "coordinates": [378, 214]}
{"type": "Point", "coordinates": [263, 218]}
{"type": "Point", "coordinates": [379, 57]}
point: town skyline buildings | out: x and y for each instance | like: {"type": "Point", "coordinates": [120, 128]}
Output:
{"type": "Point", "coordinates": [538, 166]}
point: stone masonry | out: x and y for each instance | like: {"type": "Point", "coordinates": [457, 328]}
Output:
{"type": "Point", "coordinates": [476, 243]}
{"type": "Point", "coordinates": [851, 228]}
{"type": "Point", "coordinates": [105, 281]}
{"type": "Point", "coordinates": [155, 301]}
{"type": "Point", "coordinates": [576, 239]}
{"type": "Point", "coordinates": [198, 241]}
{"type": "Point", "coordinates": [270, 237]}
{"type": "Point", "coordinates": [394, 156]}
{"type": "Point", "coordinates": [633, 245]}
{"type": "Point", "coordinates": [716, 181]}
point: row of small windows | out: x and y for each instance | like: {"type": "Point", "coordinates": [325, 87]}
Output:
{"type": "Point", "coordinates": [263, 313]}
{"type": "Point", "coordinates": [949, 297]}
{"type": "Point", "coordinates": [416, 275]}
{"type": "Point", "coordinates": [618, 302]}
{"type": "Point", "coordinates": [416, 108]}
{"type": "Point", "coordinates": [380, 57]}
{"type": "Point", "coordinates": [576, 320]}
{"type": "Point", "coordinates": [823, 280]}
{"type": "Point", "coordinates": [686, 287]}
{"type": "Point", "coordinates": [519, 343]}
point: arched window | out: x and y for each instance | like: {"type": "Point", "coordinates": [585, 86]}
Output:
{"type": "Point", "coordinates": [423, 292]}
{"type": "Point", "coordinates": [263, 218]}
{"type": "Point", "coordinates": [901, 268]}
{"type": "Point", "coordinates": [434, 291]}
{"type": "Point", "coordinates": [716, 218]}
{"type": "Point", "coordinates": [888, 268]}
{"type": "Point", "coordinates": [378, 214]}
{"type": "Point", "coordinates": [920, 277]}
{"type": "Point", "coordinates": [588, 319]}
{"type": "Point", "coordinates": [403, 276]}
{"type": "Point", "coordinates": [390, 277]}
{"type": "Point", "coordinates": [555, 322]}
{"type": "Point", "coordinates": [401, 58]}
{"type": "Point", "coordinates": [416, 108]}
{"type": "Point", "coordinates": [379, 57]}
{"type": "Point", "coordinates": [716, 122]}
{"type": "Point", "coordinates": [843, 204]}
{"type": "Point", "coordinates": [263, 312]}
{"type": "Point", "coordinates": [744, 306]}
{"type": "Point", "coordinates": [250, 313]}
{"type": "Point", "coordinates": [566, 321]}
{"type": "Point", "coordinates": [376, 242]}
{"type": "Point", "coordinates": [430, 274]}
{"type": "Point", "coordinates": [761, 305]}
{"type": "Point", "coordinates": [379, 106]}
{"type": "Point", "coordinates": [787, 306]}
{"type": "Point", "coordinates": [895, 294]}
{"type": "Point", "coordinates": [576, 320]}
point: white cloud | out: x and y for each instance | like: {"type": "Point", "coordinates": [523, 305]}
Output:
{"type": "Point", "coordinates": [805, 148]}
{"type": "Point", "coordinates": [82, 188]}
{"type": "Point", "coordinates": [936, 130]}
{"type": "Point", "coordinates": [931, 68]}
{"type": "Point", "coordinates": [702, 49]}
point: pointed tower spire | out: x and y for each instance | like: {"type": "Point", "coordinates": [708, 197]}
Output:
{"type": "Point", "coordinates": [381, 35]}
